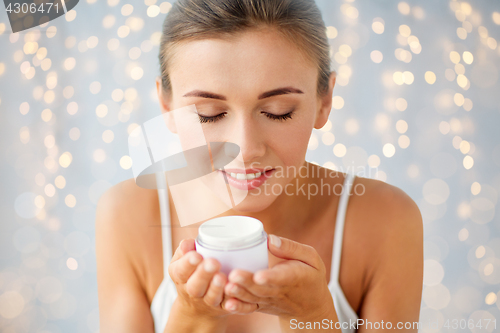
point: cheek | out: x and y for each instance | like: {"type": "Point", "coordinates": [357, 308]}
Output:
{"type": "Point", "coordinates": [290, 143]}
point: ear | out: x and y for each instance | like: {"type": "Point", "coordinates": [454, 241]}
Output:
{"type": "Point", "coordinates": [165, 106]}
{"type": "Point", "coordinates": [325, 103]}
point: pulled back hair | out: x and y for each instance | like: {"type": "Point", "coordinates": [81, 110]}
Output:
{"type": "Point", "coordinates": [299, 21]}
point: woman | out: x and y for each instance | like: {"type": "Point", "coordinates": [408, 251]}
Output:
{"type": "Point", "coordinates": [258, 72]}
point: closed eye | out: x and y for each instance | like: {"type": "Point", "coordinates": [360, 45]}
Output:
{"type": "Point", "coordinates": [281, 117]}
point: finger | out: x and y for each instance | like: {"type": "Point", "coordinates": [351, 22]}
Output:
{"type": "Point", "coordinates": [236, 291]}
{"type": "Point", "coordinates": [184, 247]}
{"type": "Point", "coordinates": [235, 306]}
{"type": "Point", "coordinates": [245, 280]}
{"type": "Point", "coordinates": [198, 282]}
{"type": "Point", "coordinates": [288, 249]}
{"type": "Point", "coordinates": [215, 292]}
{"type": "Point", "coordinates": [181, 269]}
{"type": "Point", "coordinates": [282, 275]}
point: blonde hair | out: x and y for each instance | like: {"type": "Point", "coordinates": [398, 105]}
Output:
{"type": "Point", "coordinates": [299, 21]}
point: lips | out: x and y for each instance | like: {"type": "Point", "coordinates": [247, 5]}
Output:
{"type": "Point", "coordinates": [247, 179]}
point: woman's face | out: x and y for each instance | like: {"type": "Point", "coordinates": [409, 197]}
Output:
{"type": "Point", "coordinates": [255, 90]}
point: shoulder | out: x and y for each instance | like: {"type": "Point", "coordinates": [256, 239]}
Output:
{"type": "Point", "coordinates": [388, 223]}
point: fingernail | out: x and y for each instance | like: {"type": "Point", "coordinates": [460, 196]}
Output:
{"type": "Point", "coordinates": [209, 267]}
{"type": "Point", "coordinates": [218, 281]}
{"type": "Point", "coordinates": [238, 279]}
{"type": "Point", "coordinates": [194, 260]}
{"type": "Point", "coordinates": [234, 289]}
{"type": "Point", "coordinates": [231, 307]}
{"type": "Point", "coordinates": [275, 240]}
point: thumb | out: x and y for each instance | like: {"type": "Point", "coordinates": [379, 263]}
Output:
{"type": "Point", "coordinates": [288, 249]}
{"type": "Point", "coordinates": [184, 247]}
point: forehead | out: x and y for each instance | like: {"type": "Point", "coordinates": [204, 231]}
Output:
{"type": "Point", "coordinates": [249, 62]}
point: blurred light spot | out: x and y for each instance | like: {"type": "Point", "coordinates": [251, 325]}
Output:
{"type": "Point", "coordinates": [108, 21]}
{"type": "Point", "coordinates": [60, 182]}
{"type": "Point", "coordinates": [461, 33]}
{"type": "Point", "coordinates": [404, 141]}
{"type": "Point", "coordinates": [381, 175]}
{"type": "Point", "coordinates": [480, 252]}
{"type": "Point", "coordinates": [74, 133]}
{"type": "Point", "coordinates": [71, 15]}
{"type": "Point", "coordinates": [459, 99]}
{"type": "Point", "coordinates": [113, 44]}
{"type": "Point", "coordinates": [436, 297]}
{"type": "Point", "coordinates": [467, 104]}
{"type": "Point", "coordinates": [491, 298]}
{"type": "Point", "coordinates": [46, 115]}
{"type": "Point", "coordinates": [464, 147]}
{"type": "Point", "coordinates": [131, 128]}
{"type": "Point", "coordinates": [413, 171]}
{"type": "Point", "coordinates": [65, 159]}
{"type": "Point", "coordinates": [127, 9]}
{"type": "Point", "coordinates": [24, 108]}
{"type": "Point", "coordinates": [454, 57]}
{"type": "Point", "coordinates": [337, 102]}
{"type": "Point", "coordinates": [165, 7]}
{"type": "Point", "coordinates": [378, 25]}
{"type": "Point", "coordinates": [463, 234]}
{"type": "Point", "coordinates": [48, 289]}
{"type": "Point", "coordinates": [92, 42]}
{"type": "Point", "coordinates": [101, 110]}
{"type": "Point", "coordinates": [95, 87]}
{"type": "Point", "coordinates": [496, 17]}
{"type": "Point", "coordinates": [155, 38]}
{"type": "Point", "coordinates": [373, 161]}
{"type": "Point", "coordinates": [69, 63]}
{"type": "Point", "coordinates": [328, 138]}
{"type": "Point", "coordinates": [108, 136]}
{"type": "Point", "coordinates": [460, 69]}
{"type": "Point", "coordinates": [401, 126]}
{"type": "Point", "coordinates": [436, 191]}
{"type": "Point", "coordinates": [404, 30]}
{"type": "Point", "coordinates": [433, 272]}
{"type": "Point", "coordinates": [70, 200]}
{"type": "Point", "coordinates": [126, 162]}
{"type": "Point", "coordinates": [403, 55]}
{"type": "Point", "coordinates": [131, 94]}
{"type": "Point", "coordinates": [352, 126]}
{"type": "Point", "coordinates": [117, 95]}
{"type": "Point", "coordinates": [468, 162]}
{"type": "Point", "coordinates": [99, 155]}
{"type": "Point", "coordinates": [389, 150]}
{"type": "Point", "coordinates": [46, 64]}
{"type": "Point", "coordinates": [134, 53]}
{"type": "Point", "coordinates": [11, 304]}
{"type": "Point", "coordinates": [72, 264]}
{"type": "Point", "coordinates": [40, 179]}
{"type": "Point", "coordinates": [331, 32]}
{"type": "Point", "coordinates": [49, 190]}
{"type": "Point", "coordinates": [112, 3]}
{"type": "Point", "coordinates": [146, 46]}
{"type": "Point", "coordinates": [72, 108]}
{"type": "Point", "coordinates": [381, 122]}
{"type": "Point", "coordinates": [376, 56]}
{"type": "Point", "coordinates": [136, 73]}
{"type": "Point", "coordinates": [339, 150]}
{"type": "Point", "coordinates": [123, 31]}
{"type": "Point", "coordinates": [475, 188]}
{"type": "Point", "coordinates": [153, 11]}
{"type": "Point", "coordinates": [404, 8]}
{"type": "Point", "coordinates": [68, 92]}
{"type": "Point", "coordinates": [401, 104]}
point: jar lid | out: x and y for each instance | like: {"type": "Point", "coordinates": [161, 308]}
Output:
{"type": "Point", "coordinates": [231, 232]}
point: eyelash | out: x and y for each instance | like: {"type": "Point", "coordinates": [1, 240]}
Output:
{"type": "Point", "coordinates": [281, 117]}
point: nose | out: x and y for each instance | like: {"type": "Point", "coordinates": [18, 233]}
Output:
{"type": "Point", "coordinates": [247, 134]}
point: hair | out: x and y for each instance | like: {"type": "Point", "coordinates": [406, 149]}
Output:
{"type": "Point", "coordinates": [299, 21]}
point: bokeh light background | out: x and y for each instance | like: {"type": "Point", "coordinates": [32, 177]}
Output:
{"type": "Point", "coordinates": [417, 100]}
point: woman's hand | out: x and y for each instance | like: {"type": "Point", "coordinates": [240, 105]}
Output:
{"type": "Point", "coordinates": [200, 284]}
{"type": "Point", "coordinates": [295, 288]}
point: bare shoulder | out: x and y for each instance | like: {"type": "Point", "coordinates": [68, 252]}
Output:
{"type": "Point", "coordinates": [389, 227]}
{"type": "Point", "coordinates": [122, 215]}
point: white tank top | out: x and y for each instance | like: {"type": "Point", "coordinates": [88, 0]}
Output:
{"type": "Point", "coordinates": [166, 292]}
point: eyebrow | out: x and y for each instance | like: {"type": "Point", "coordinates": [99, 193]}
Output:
{"type": "Point", "coordinates": [267, 94]}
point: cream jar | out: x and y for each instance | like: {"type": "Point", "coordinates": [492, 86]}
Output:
{"type": "Point", "coordinates": [235, 241]}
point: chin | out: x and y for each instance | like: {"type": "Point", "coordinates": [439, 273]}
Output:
{"type": "Point", "coordinates": [255, 203]}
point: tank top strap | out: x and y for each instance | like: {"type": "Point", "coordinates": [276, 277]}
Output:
{"type": "Point", "coordinates": [166, 237]}
{"type": "Point", "coordinates": [339, 228]}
